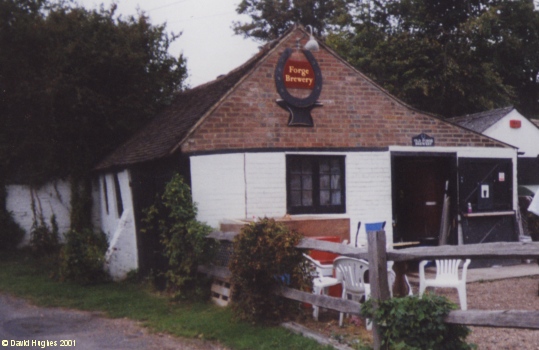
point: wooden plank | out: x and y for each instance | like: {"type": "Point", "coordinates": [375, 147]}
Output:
{"type": "Point", "coordinates": [328, 302]}
{"type": "Point", "coordinates": [221, 290]}
{"type": "Point", "coordinates": [215, 271]}
{"type": "Point", "coordinates": [378, 265]}
{"type": "Point", "coordinates": [332, 247]}
{"type": "Point", "coordinates": [223, 236]}
{"type": "Point", "coordinates": [378, 277]}
{"type": "Point", "coordinates": [504, 319]}
{"type": "Point", "coordinates": [498, 250]}
{"type": "Point", "coordinates": [490, 213]}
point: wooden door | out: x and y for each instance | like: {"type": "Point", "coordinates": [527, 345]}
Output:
{"type": "Point", "coordinates": [418, 195]}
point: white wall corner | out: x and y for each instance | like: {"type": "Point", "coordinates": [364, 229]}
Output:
{"type": "Point", "coordinates": [122, 256]}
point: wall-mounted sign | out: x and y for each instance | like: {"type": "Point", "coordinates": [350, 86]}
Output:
{"type": "Point", "coordinates": [298, 74]}
{"type": "Point", "coordinates": [515, 124]}
{"type": "Point", "coordinates": [422, 140]}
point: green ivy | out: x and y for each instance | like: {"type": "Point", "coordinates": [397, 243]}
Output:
{"type": "Point", "coordinates": [44, 240]}
{"type": "Point", "coordinates": [11, 233]}
{"type": "Point", "coordinates": [82, 257]}
{"type": "Point", "coordinates": [184, 239]}
{"type": "Point", "coordinates": [414, 323]}
{"type": "Point", "coordinates": [265, 257]}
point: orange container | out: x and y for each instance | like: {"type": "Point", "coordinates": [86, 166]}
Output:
{"type": "Point", "coordinates": [327, 258]}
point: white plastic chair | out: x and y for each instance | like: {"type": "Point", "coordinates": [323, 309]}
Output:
{"type": "Point", "coordinates": [447, 276]}
{"type": "Point", "coordinates": [322, 279]}
{"type": "Point", "coordinates": [351, 272]}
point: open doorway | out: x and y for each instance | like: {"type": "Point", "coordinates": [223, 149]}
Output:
{"type": "Point", "coordinates": [423, 184]}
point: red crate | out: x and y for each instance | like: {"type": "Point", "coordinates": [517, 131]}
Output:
{"type": "Point", "coordinates": [325, 257]}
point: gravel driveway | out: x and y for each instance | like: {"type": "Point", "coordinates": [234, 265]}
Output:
{"type": "Point", "coordinates": [25, 326]}
{"type": "Point", "coordinates": [506, 294]}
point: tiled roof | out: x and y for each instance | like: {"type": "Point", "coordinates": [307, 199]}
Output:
{"type": "Point", "coordinates": [480, 122]}
{"type": "Point", "coordinates": [161, 136]}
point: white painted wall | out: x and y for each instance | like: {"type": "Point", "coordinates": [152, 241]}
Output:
{"type": "Point", "coordinates": [265, 175]}
{"type": "Point", "coordinates": [51, 198]}
{"type": "Point", "coordinates": [368, 192]}
{"type": "Point", "coordinates": [252, 185]}
{"type": "Point", "coordinates": [218, 187]}
{"type": "Point", "coordinates": [121, 257]}
{"type": "Point", "coordinates": [526, 138]}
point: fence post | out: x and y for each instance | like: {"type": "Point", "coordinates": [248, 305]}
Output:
{"type": "Point", "coordinates": [377, 275]}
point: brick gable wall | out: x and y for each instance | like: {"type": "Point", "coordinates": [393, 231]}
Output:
{"type": "Point", "coordinates": [356, 113]}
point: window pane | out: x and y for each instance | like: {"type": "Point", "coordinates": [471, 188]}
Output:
{"type": "Point", "coordinates": [335, 166]}
{"type": "Point", "coordinates": [295, 168]}
{"type": "Point", "coordinates": [336, 198]}
{"type": "Point", "coordinates": [295, 198]}
{"type": "Point", "coordinates": [316, 184]}
{"type": "Point", "coordinates": [325, 197]}
{"type": "Point", "coordinates": [324, 166]}
{"type": "Point", "coordinates": [306, 166]}
{"type": "Point", "coordinates": [307, 198]}
{"type": "Point", "coordinates": [324, 182]}
{"type": "Point", "coordinates": [295, 182]}
{"type": "Point", "coordinates": [335, 182]}
{"type": "Point", "coordinates": [307, 182]}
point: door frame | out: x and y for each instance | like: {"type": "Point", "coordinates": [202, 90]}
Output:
{"type": "Point", "coordinates": [450, 157]}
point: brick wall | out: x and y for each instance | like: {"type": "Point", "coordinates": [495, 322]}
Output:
{"type": "Point", "coordinates": [356, 113]}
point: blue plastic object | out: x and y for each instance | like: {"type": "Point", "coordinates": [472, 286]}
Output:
{"type": "Point", "coordinates": [375, 226]}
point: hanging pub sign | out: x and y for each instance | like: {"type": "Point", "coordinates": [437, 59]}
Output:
{"type": "Point", "coordinates": [423, 140]}
{"type": "Point", "coordinates": [294, 73]}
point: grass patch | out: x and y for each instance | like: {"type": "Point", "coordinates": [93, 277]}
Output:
{"type": "Point", "coordinates": [21, 276]}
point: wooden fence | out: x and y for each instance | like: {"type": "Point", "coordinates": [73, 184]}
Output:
{"type": "Point", "coordinates": [378, 256]}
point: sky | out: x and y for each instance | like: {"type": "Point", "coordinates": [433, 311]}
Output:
{"type": "Point", "coordinates": [208, 41]}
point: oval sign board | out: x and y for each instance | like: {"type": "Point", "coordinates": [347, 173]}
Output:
{"type": "Point", "coordinates": [296, 72]}
{"type": "Point", "coordinates": [298, 75]}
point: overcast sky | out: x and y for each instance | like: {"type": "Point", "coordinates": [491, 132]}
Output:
{"type": "Point", "coordinates": [208, 42]}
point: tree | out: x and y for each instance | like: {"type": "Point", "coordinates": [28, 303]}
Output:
{"type": "Point", "coordinates": [421, 51]}
{"type": "Point", "coordinates": [74, 84]}
{"type": "Point", "coordinates": [449, 57]}
{"type": "Point", "coordinates": [271, 18]}
{"type": "Point", "coordinates": [508, 34]}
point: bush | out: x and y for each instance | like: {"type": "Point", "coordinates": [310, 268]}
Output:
{"type": "Point", "coordinates": [11, 234]}
{"type": "Point", "coordinates": [415, 323]}
{"type": "Point", "coordinates": [264, 257]}
{"type": "Point", "coordinates": [82, 257]}
{"type": "Point", "coordinates": [44, 240]}
{"type": "Point", "coordinates": [184, 239]}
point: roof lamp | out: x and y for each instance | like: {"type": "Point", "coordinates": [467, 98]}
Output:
{"type": "Point", "coordinates": [312, 44]}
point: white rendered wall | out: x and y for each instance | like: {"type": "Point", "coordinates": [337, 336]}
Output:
{"type": "Point", "coordinates": [121, 257]}
{"type": "Point", "coordinates": [265, 175]}
{"type": "Point", "coordinates": [526, 138]}
{"type": "Point", "coordinates": [368, 192]}
{"type": "Point", "coordinates": [218, 187]}
{"type": "Point", "coordinates": [50, 199]}
{"type": "Point", "coordinates": [252, 185]}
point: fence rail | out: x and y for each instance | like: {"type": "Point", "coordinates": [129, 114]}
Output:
{"type": "Point", "coordinates": [377, 256]}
